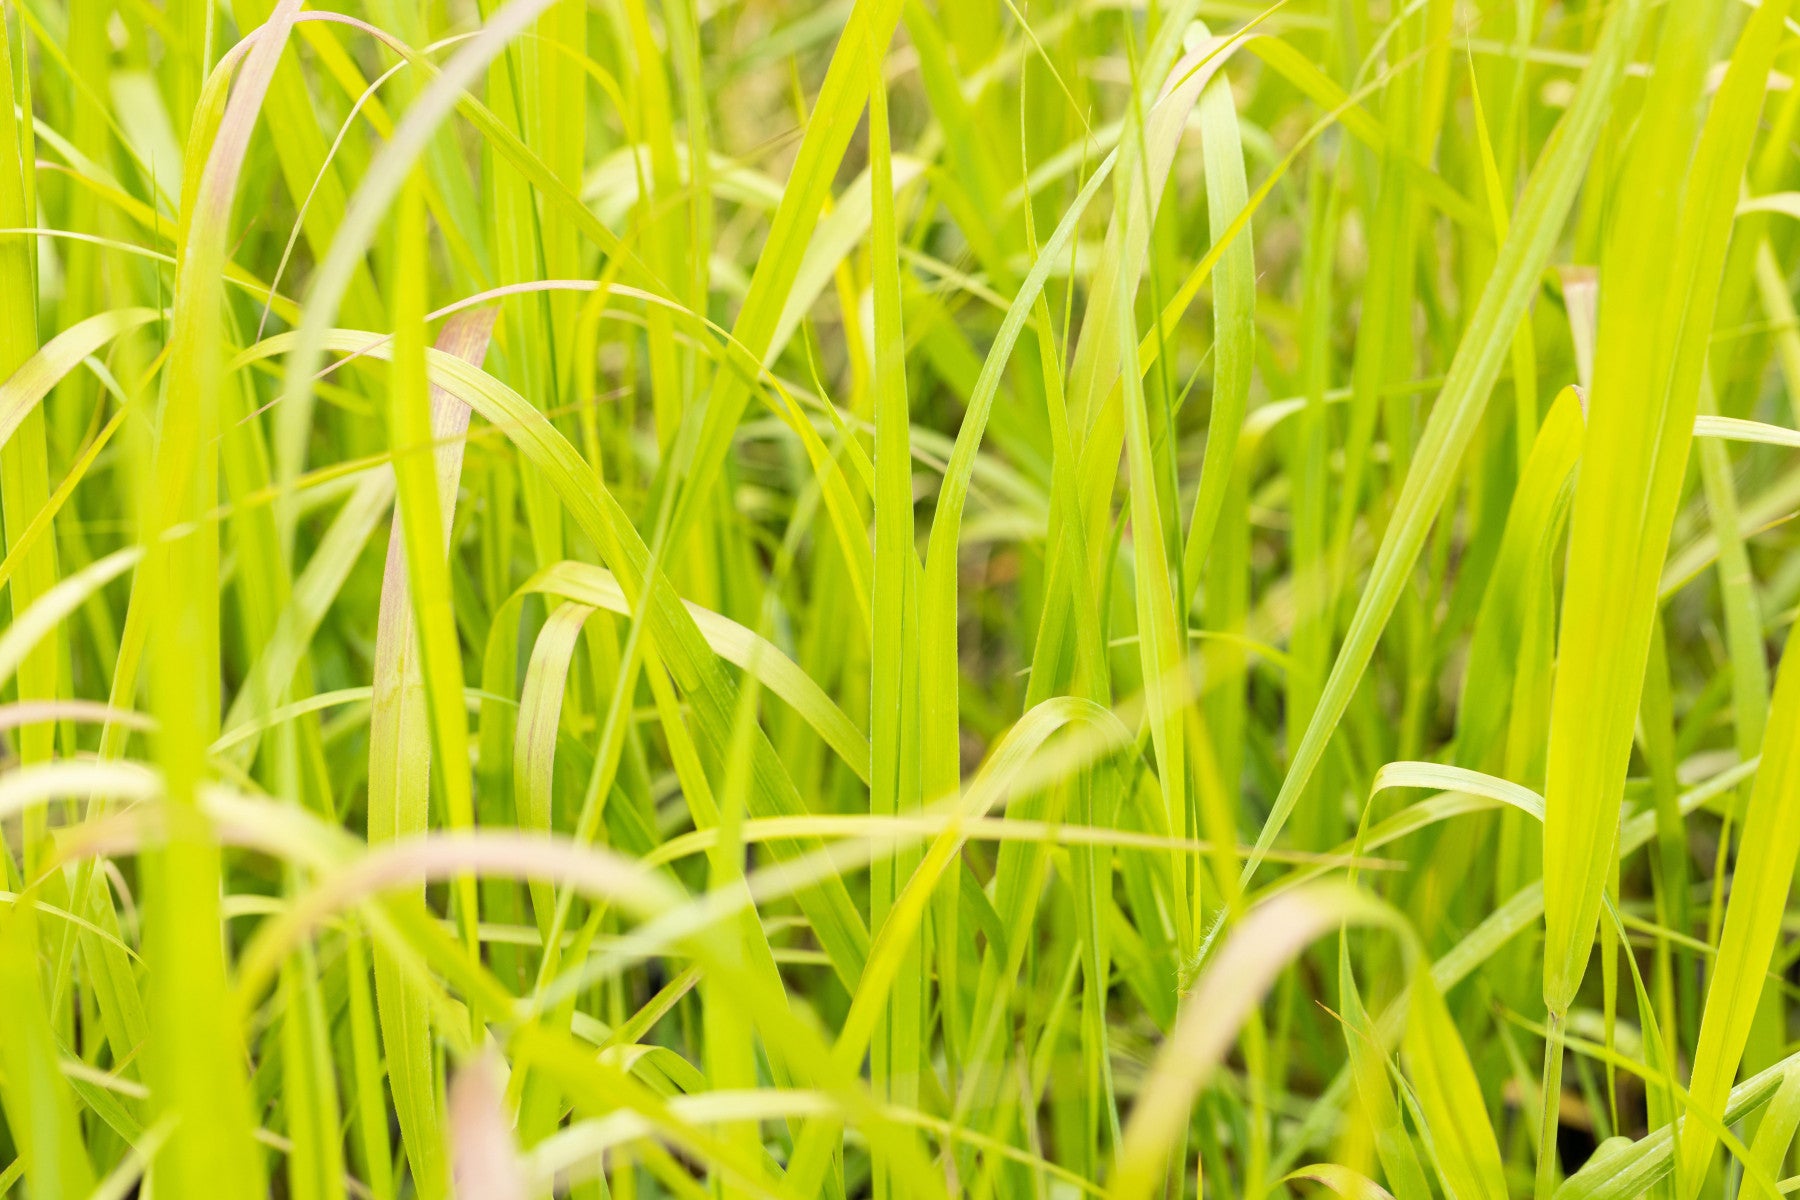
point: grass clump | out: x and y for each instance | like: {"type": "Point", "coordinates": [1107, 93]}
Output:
{"type": "Point", "coordinates": [610, 598]}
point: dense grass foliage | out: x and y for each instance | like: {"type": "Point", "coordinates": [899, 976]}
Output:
{"type": "Point", "coordinates": [899, 598]}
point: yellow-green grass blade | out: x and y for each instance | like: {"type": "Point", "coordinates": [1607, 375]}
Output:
{"type": "Point", "coordinates": [32, 379]}
{"type": "Point", "coordinates": [1318, 820]}
{"type": "Point", "coordinates": [1602, 658]}
{"type": "Point", "coordinates": [896, 688]}
{"type": "Point", "coordinates": [24, 465]}
{"type": "Point", "coordinates": [1775, 1131]}
{"type": "Point", "coordinates": [1161, 648]}
{"type": "Point", "coordinates": [1749, 664]}
{"type": "Point", "coordinates": [30, 627]}
{"type": "Point", "coordinates": [1368, 1063]}
{"type": "Point", "coordinates": [399, 769]}
{"type": "Point", "coordinates": [1234, 318]}
{"type": "Point", "coordinates": [1641, 419]}
{"type": "Point", "coordinates": [39, 1106]}
{"type": "Point", "coordinates": [1146, 157]}
{"type": "Point", "coordinates": [354, 876]}
{"type": "Point", "coordinates": [315, 1163]}
{"type": "Point", "coordinates": [540, 719]}
{"type": "Point", "coordinates": [195, 1067]}
{"type": "Point", "coordinates": [1457, 1129]}
{"type": "Point", "coordinates": [421, 512]}
{"type": "Point", "coordinates": [1764, 870]}
{"type": "Point", "coordinates": [1527, 554]}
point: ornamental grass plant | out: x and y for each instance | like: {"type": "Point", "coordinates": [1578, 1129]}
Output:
{"type": "Point", "coordinates": [899, 598]}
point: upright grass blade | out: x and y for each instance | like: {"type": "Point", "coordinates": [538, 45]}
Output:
{"type": "Point", "coordinates": [400, 746]}
{"type": "Point", "coordinates": [1160, 646]}
{"type": "Point", "coordinates": [39, 1104]}
{"type": "Point", "coordinates": [1611, 534]}
{"type": "Point", "coordinates": [1769, 847]}
{"type": "Point", "coordinates": [421, 512]}
{"type": "Point", "coordinates": [1641, 419]}
{"type": "Point", "coordinates": [900, 1052]}
{"type": "Point", "coordinates": [315, 1165]}
{"type": "Point", "coordinates": [1527, 553]}
{"type": "Point", "coordinates": [1449, 1098]}
{"type": "Point", "coordinates": [24, 468]}
{"type": "Point", "coordinates": [1368, 1062]}
{"type": "Point", "coordinates": [195, 1067]}
{"type": "Point", "coordinates": [1234, 318]}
